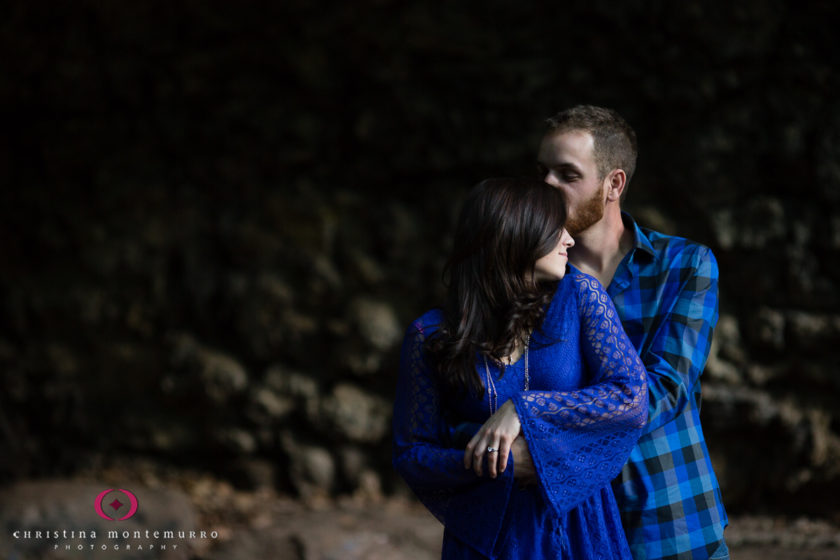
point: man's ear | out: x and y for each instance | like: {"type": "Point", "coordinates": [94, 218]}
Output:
{"type": "Point", "coordinates": [615, 181]}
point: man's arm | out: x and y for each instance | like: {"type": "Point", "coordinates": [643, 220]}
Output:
{"type": "Point", "coordinates": [677, 352]}
{"type": "Point", "coordinates": [523, 464]}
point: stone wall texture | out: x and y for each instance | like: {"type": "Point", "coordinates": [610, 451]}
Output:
{"type": "Point", "coordinates": [216, 221]}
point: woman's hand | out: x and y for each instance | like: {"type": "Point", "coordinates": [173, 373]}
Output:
{"type": "Point", "coordinates": [498, 432]}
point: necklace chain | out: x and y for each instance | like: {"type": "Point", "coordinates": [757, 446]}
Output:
{"type": "Point", "coordinates": [492, 394]}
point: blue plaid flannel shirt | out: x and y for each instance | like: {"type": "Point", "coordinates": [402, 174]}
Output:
{"type": "Point", "coordinates": [666, 292]}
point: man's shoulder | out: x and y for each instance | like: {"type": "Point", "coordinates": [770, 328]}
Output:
{"type": "Point", "coordinates": [664, 241]}
{"type": "Point", "coordinates": [675, 251]}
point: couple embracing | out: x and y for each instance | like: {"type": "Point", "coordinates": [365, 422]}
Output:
{"type": "Point", "coordinates": [550, 408]}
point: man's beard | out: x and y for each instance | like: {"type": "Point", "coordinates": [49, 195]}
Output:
{"type": "Point", "coordinates": [589, 212]}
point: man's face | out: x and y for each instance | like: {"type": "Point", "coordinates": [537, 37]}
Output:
{"type": "Point", "coordinates": [566, 160]}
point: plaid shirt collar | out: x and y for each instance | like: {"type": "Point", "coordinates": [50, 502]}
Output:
{"type": "Point", "coordinates": [640, 240]}
{"type": "Point", "coordinates": [641, 246]}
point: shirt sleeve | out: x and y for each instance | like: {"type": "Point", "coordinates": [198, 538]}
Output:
{"type": "Point", "coordinates": [580, 439]}
{"type": "Point", "coordinates": [471, 507]}
{"type": "Point", "coordinates": [677, 352]}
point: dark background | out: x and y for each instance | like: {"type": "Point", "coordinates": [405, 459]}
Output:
{"type": "Point", "coordinates": [217, 218]}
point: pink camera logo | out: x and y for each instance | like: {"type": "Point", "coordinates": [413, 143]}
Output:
{"type": "Point", "coordinates": [122, 502]}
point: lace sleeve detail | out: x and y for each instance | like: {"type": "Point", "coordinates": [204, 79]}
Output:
{"type": "Point", "coordinates": [580, 439]}
{"type": "Point", "coordinates": [470, 507]}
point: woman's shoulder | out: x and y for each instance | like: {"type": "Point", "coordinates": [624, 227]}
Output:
{"type": "Point", "coordinates": [583, 284]}
{"type": "Point", "coordinates": [562, 309]}
{"type": "Point", "coordinates": [574, 285]}
{"type": "Point", "coordinates": [427, 323]}
{"type": "Point", "coordinates": [576, 292]}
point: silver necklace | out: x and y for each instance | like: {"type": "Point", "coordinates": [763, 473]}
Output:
{"type": "Point", "coordinates": [492, 394]}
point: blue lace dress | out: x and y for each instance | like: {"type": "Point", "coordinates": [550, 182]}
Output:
{"type": "Point", "coordinates": [581, 417]}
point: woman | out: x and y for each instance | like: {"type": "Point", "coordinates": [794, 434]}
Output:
{"type": "Point", "coordinates": [519, 351]}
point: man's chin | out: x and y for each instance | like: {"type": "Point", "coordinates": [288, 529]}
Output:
{"type": "Point", "coordinates": [575, 227]}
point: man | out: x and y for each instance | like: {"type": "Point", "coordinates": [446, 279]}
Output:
{"type": "Point", "coordinates": [665, 290]}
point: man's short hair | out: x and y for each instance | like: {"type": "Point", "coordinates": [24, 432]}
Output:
{"type": "Point", "coordinates": [615, 140]}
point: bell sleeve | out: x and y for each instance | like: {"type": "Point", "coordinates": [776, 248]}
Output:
{"type": "Point", "coordinates": [472, 508]}
{"type": "Point", "coordinates": [580, 439]}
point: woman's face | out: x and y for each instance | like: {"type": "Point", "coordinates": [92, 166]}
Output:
{"type": "Point", "coordinates": [553, 265]}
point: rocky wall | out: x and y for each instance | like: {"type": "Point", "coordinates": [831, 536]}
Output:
{"type": "Point", "coordinates": [217, 221]}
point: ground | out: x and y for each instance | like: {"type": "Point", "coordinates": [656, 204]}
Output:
{"type": "Point", "coordinates": [261, 523]}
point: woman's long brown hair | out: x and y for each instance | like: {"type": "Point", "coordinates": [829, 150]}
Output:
{"type": "Point", "coordinates": [493, 301]}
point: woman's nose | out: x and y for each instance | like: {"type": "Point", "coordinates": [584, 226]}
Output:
{"type": "Point", "coordinates": [567, 239]}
